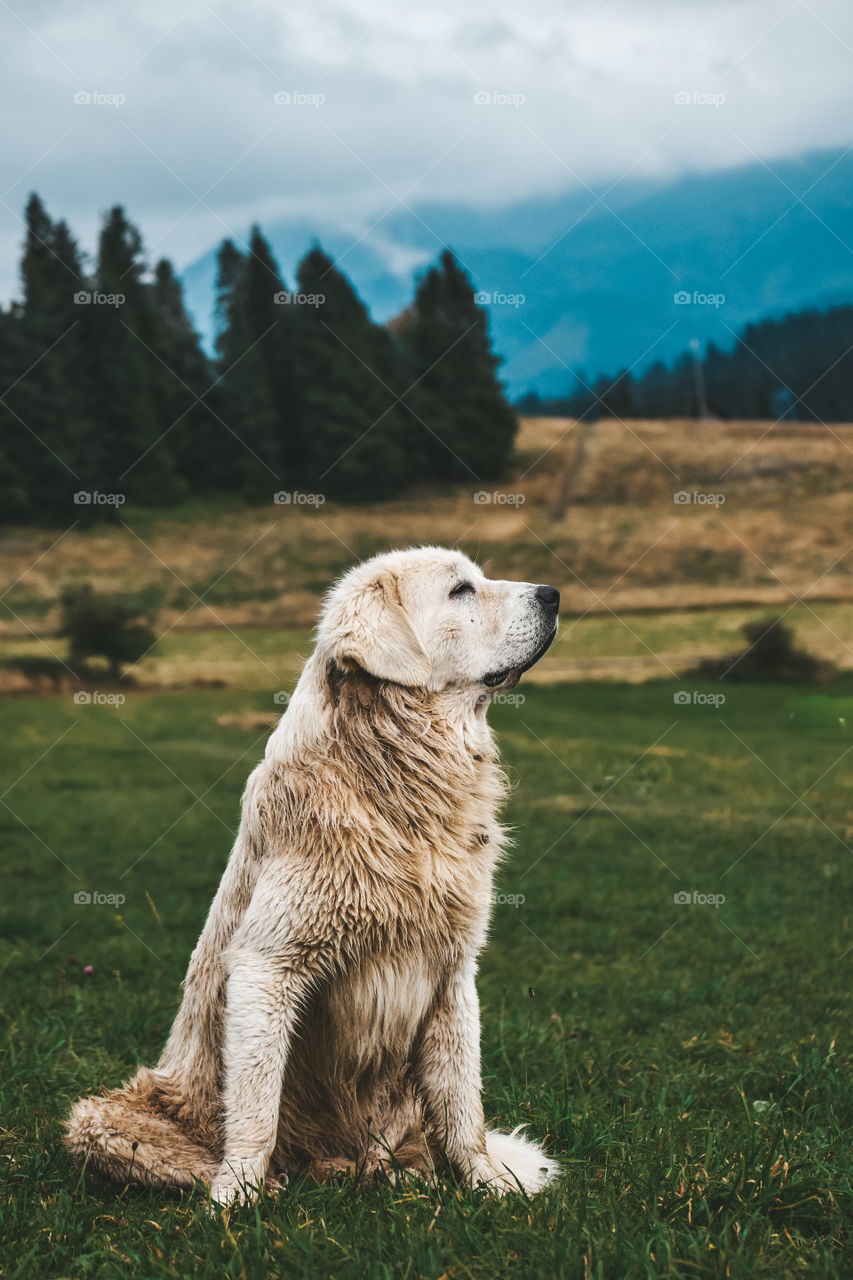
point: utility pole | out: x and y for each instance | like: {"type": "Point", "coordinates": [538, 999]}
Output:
{"type": "Point", "coordinates": [699, 380]}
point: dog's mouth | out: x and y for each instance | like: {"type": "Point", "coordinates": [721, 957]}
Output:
{"type": "Point", "coordinates": [510, 676]}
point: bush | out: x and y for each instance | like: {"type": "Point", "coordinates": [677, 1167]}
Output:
{"type": "Point", "coordinates": [104, 626]}
{"type": "Point", "coordinates": [770, 655]}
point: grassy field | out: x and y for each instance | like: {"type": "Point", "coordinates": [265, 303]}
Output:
{"type": "Point", "coordinates": [603, 526]}
{"type": "Point", "coordinates": [689, 1062]}
{"type": "Point", "coordinates": [687, 1059]}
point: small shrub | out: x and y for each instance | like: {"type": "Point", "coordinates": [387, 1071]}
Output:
{"type": "Point", "coordinates": [104, 626]}
{"type": "Point", "coordinates": [770, 655]}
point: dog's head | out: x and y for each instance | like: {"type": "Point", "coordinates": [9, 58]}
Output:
{"type": "Point", "coordinates": [429, 618]}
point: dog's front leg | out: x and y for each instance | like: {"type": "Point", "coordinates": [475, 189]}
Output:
{"type": "Point", "coordinates": [263, 998]}
{"type": "Point", "coordinates": [447, 1070]}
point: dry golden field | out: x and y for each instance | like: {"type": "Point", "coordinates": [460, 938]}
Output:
{"type": "Point", "coordinates": [648, 582]}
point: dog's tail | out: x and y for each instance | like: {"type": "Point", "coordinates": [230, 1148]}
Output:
{"type": "Point", "coordinates": [127, 1136]}
{"type": "Point", "coordinates": [519, 1162]}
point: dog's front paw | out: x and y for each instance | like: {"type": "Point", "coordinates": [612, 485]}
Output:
{"type": "Point", "coordinates": [224, 1192]}
{"type": "Point", "coordinates": [227, 1190]}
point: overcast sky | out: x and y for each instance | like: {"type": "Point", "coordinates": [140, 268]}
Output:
{"type": "Point", "coordinates": [384, 104]}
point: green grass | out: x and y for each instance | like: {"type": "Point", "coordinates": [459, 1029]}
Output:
{"type": "Point", "coordinates": [635, 1033]}
{"type": "Point", "coordinates": [262, 657]}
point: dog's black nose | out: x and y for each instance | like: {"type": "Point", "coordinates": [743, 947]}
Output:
{"type": "Point", "coordinates": [549, 596]}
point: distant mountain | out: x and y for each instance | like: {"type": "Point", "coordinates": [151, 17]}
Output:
{"type": "Point", "coordinates": [584, 281]}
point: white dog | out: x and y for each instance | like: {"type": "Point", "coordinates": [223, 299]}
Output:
{"type": "Point", "coordinates": [330, 1018]}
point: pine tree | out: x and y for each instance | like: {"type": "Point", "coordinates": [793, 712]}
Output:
{"type": "Point", "coordinates": [45, 405]}
{"type": "Point", "coordinates": [18, 457]}
{"type": "Point", "coordinates": [131, 450]}
{"type": "Point", "coordinates": [248, 410]}
{"type": "Point", "coordinates": [271, 321]}
{"type": "Point", "coordinates": [188, 401]}
{"type": "Point", "coordinates": [467, 428]}
{"type": "Point", "coordinates": [353, 427]}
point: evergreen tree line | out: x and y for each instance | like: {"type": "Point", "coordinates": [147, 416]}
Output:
{"type": "Point", "coordinates": [796, 368]}
{"type": "Point", "coordinates": [107, 391]}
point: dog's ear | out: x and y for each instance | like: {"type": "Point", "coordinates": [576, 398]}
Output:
{"type": "Point", "coordinates": [377, 634]}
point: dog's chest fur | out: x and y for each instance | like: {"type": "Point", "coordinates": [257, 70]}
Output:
{"type": "Point", "coordinates": [391, 869]}
{"type": "Point", "coordinates": [375, 1010]}
{"type": "Point", "coordinates": [412, 902]}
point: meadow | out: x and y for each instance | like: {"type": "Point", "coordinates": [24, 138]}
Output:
{"type": "Point", "coordinates": [689, 1062]}
{"type": "Point", "coordinates": [666, 991]}
{"type": "Point", "coordinates": [768, 526]}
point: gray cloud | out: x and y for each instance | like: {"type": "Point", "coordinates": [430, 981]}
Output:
{"type": "Point", "coordinates": [198, 148]}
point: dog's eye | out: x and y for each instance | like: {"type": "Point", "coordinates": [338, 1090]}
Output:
{"type": "Point", "coordinates": [462, 589]}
